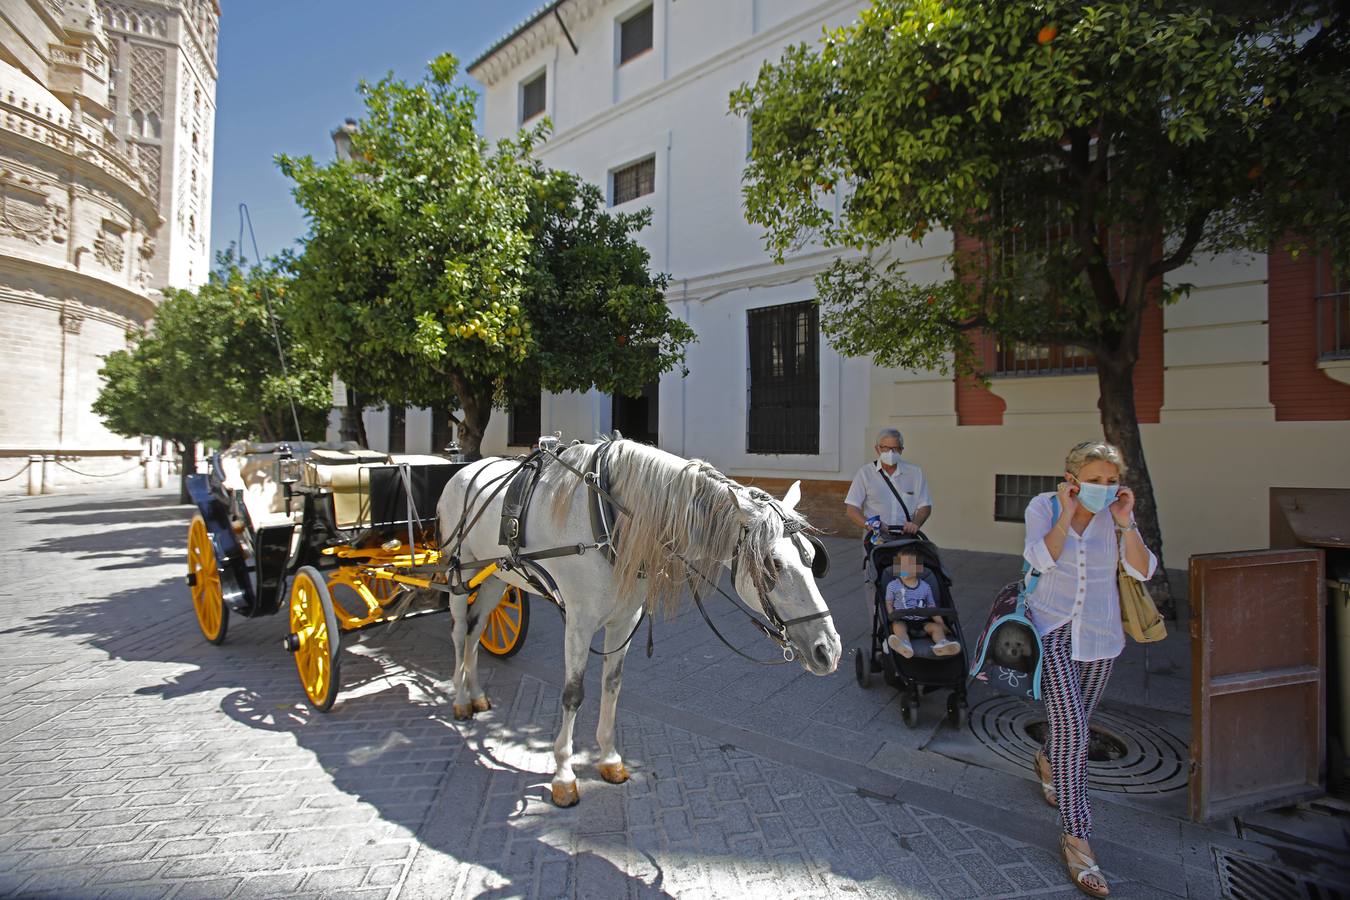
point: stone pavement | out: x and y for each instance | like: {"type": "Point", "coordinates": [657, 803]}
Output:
{"type": "Point", "coordinates": [142, 762]}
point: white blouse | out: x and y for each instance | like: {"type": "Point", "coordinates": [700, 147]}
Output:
{"type": "Point", "coordinates": [1080, 587]}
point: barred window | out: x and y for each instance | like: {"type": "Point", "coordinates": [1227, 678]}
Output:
{"type": "Point", "coordinates": [1333, 311]}
{"type": "Point", "coordinates": [532, 97]}
{"type": "Point", "coordinates": [523, 421]}
{"type": "Point", "coordinates": [784, 379]}
{"type": "Point", "coordinates": [1017, 358]}
{"type": "Point", "coordinates": [633, 181]}
{"type": "Point", "coordinates": [1012, 493]}
{"type": "Point", "coordinates": [635, 35]}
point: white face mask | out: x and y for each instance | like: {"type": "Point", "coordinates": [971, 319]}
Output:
{"type": "Point", "coordinates": [889, 457]}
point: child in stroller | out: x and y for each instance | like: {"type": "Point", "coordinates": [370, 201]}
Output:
{"type": "Point", "coordinates": [923, 670]}
{"type": "Point", "coordinates": [908, 591]}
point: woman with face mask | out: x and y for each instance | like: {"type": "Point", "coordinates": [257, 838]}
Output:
{"type": "Point", "coordinates": [1076, 538]}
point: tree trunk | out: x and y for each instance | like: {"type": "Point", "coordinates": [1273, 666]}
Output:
{"type": "Point", "coordinates": [476, 402]}
{"type": "Point", "coordinates": [352, 426]}
{"type": "Point", "coordinates": [1121, 427]}
{"type": "Point", "coordinates": [187, 450]}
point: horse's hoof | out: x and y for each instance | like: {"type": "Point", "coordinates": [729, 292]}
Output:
{"type": "Point", "coordinates": [614, 773]}
{"type": "Point", "coordinates": [481, 704]}
{"type": "Point", "coordinates": [461, 712]}
{"type": "Point", "coordinates": [565, 795]}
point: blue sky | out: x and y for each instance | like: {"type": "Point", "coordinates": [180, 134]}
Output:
{"type": "Point", "coordinates": [288, 73]}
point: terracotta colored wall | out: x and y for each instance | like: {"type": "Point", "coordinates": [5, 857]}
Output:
{"type": "Point", "coordinates": [976, 404]}
{"type": "Point", "coordinates": [1299, 391]}
{"type": "Point", "coordinates": [822, 502]}
{"type": "Point", "coordinates": [1148, 371]}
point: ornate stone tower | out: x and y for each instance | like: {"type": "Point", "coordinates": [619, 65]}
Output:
{"type": "Point", "coordinates": [162, 92]}
{"type": "Point", "coordinates": [107, 113]}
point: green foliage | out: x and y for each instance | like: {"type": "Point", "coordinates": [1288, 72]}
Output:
{"type": "Point", "coordinates": [209, 366]}
{"type": "Point", "coordinates": [441, 272]}
{"type": "Point", "coordinates": [1090, 147]}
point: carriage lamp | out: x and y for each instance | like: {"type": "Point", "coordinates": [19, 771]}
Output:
{"type": "Point", "coordinates": [289, 468]}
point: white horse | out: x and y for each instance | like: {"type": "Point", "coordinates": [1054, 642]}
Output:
{"type": "Point", "coordinates": [682, 523]}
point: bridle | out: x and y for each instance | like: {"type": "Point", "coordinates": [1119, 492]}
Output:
{"type": "Point", "coordinates": [776, 627]}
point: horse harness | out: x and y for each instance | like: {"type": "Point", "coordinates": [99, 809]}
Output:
{"type": "Point", "coordinates": [519, 486]}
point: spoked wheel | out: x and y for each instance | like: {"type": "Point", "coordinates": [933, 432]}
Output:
{"type": "Point", "coordinates": [507, 625]}
{"type": "Point", "coordinates": [314, 638]}
{"type": "Point", "coordinates": [862, 666]}
{"type": "Point", "coordinates": [204, 580]}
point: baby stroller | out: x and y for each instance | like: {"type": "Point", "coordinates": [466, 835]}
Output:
{"type": "Point", "coordinates": [925, 671]}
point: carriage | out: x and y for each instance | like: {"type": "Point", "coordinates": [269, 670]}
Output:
{"type": "Point", "coordinates": [344, 538]}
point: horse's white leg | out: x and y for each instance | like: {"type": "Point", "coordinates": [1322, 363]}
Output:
{"type": "Point", "coordinates": [617, 634]}
{"type": "Point", "coordinates": [489, 596]}
{"type": "Point", "coordinates": [470, 620]}
{"type": "Point", "coordinates": [576, 647]}
{"type": "Point", "coordinates": [459, 632]}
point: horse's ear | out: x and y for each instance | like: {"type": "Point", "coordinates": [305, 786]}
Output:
{"type": "Point", "coordinates": [793, 496]}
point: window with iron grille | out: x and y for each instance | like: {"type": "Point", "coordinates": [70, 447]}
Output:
{"type": "Point", "coordinates": [398, 424]}
{"type": "Point", "coordinates": [1333, 312]}
{"type": "Point", "coordinates": [637, 417]}
{"type": "Point", "coordinates": [635, 35]}
{"type": "Point", "coordinates": [522, 422]}
{"type": "Point", "coordinates": [1023, 247]}
{"type": "Point", "coordinates": [633, 181]}
{"type": "Point", "coordinates": [532, 97]}
{"type": "Point", "coordinates": [1012, 493]}
{"type": "Point", "coordinates": [442, 432]}
{"type": "Point", "coordinates": [784, 379]}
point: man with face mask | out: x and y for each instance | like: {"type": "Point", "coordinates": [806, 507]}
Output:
{"type": "Point", "coordinates": [887, 487]}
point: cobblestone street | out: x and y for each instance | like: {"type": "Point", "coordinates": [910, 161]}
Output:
{"type": "Point", "coordinates": [143, 762]}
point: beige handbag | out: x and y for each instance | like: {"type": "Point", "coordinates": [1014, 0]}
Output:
{"type": "Point", "coordinates": [1138, 614]}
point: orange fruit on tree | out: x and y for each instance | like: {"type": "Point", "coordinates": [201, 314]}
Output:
{"type": "Point", "coordinates": [1047, 34]}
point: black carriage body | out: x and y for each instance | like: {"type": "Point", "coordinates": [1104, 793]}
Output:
{"type": "Point", "coordinates": [257, 586]}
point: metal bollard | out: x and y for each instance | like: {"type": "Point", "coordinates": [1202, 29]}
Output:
{"type": "Point", "coordinates": [165, 470]}
{"type": "Point", "coordinates": [34, 475]}
{"type": "Point", "coordinates": [157, 473]}
{"type": "Point", "coordinates": [145, 472]}
{"type": "Point", "coordinates": [49, 474]}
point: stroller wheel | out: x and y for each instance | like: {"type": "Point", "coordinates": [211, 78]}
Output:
{"type": "Point", "coordinates": [957, 712]}
{"type": "Point", "coordinates": [862, 666]}
{"type": "Point", "coordinates": [909, 711]}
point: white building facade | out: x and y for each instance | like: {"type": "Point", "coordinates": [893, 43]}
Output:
{"type": "Point", "coordinates": [1244, 387]}
{"type": "Point", "coordinates": [106, 118]}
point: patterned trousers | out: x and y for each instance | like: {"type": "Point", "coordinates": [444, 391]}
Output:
{"type": "Point", "coordinates": [1071, 691]}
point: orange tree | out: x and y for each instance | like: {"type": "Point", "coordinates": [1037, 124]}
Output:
{"type": "Point", "coordinates": [1158, 128]}
{"type": "Point", "coordinates": [441, 272]}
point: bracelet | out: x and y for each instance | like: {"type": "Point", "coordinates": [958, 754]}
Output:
{"type": "Point", "coordinates": [1131, 527]}
{"type": "Point", "coordinates": [1060, 525]}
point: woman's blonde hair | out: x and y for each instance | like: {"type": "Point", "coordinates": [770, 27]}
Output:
{"type": "Point", "coordinates": [1090, 451]}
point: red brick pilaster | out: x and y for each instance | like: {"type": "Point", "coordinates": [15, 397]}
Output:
{"type": "Point", "coordinates": [1298, 389]}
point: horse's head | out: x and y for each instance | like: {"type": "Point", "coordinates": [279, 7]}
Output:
{"type": "Point", "coordinates": [775, 570]}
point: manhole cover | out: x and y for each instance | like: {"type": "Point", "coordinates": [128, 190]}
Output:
{"type": "Point", "coordinates": [1244, 878]}
{"type": "Point", "coordinates": [1126, 755]}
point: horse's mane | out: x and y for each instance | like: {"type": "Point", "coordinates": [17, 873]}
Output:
{"type": "Point", "coordinates": [686, 517]}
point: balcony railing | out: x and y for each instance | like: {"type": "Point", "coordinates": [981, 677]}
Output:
{"type": "Point", "coordinates": [1333, 324]}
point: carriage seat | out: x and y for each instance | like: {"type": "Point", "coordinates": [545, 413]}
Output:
{"type": "Point", "coordinates": [348, 479]}
{"type": "Point", "coordinates": [253, 475]}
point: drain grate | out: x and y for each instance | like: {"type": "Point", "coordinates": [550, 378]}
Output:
{"type": "Point", "coordinates": [1126, 755]}
{"type": "Point", "coordinates": [1244, 878]}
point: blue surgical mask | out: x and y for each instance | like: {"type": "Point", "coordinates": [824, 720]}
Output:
{"type": "Point", "coordinates": [903, 573]}
{"type": "Point", "coordinates": [1096, 497]}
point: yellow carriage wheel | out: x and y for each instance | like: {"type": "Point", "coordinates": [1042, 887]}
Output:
{"type": "Point", "coordinates": [314, 638]}
{"type": "Point", "coordinates": [204, 580]}
{"type": "Point", "coordinates": [507, 624]}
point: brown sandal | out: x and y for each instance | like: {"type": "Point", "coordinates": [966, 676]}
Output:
{"type": "Point", "coordinates": [1045, 774]}
{"type": "Point", "coordinates": [1081, 867]}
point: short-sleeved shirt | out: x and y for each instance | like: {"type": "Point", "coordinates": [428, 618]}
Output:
{"type": "Point", "coordinates": [900, 596]}
{"type": "Point", "coordinates": [1080, 587]}
{"type": "Point", "coordinates": [869, 492]}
